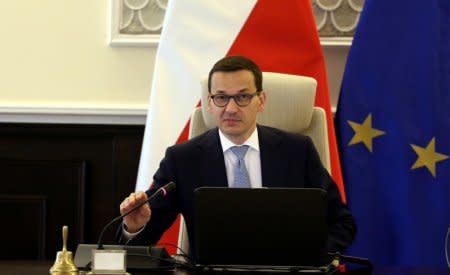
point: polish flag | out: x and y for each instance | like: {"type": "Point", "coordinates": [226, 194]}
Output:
{"type": "Point", "coordinates": [280, 36]}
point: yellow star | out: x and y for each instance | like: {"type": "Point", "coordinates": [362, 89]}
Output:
{"type": "Point", "coordinates": [364, 132]}
{"type": "Point", "coordinates": [427, 157]}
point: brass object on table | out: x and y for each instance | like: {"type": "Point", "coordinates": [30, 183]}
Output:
{"type": "Point", "coordinates": [64, 264]}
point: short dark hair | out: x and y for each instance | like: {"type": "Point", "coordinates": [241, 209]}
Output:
{"type": "Point", "coordinates": [237, 63]}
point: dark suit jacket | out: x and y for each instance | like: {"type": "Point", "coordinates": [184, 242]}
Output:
{"type": "Point", "coordinates": [287, 160]}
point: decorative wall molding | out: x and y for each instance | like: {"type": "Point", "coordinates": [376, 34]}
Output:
{"type": "Point", "coordinates": [138, 23]}
{"type": "Point", "coordinates": [102, 115]}
{"type": "Point", "coordinates": [336, 41]}
{"type": "Point", "coordinates": [74, 114]}
{"type": "Point", "coordinates": [336, 20]}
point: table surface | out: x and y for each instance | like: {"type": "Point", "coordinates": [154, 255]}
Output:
{"type": "Point", "coordinates": [42, 268]}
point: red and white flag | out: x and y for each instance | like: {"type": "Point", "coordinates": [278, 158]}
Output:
{"type": "Point", "coordinates": [280, 36]}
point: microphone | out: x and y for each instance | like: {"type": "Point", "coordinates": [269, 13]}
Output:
{"type": "Point", "coordinates": [352, 259]}
{"type": "Point", "coordinates": [161, 192]}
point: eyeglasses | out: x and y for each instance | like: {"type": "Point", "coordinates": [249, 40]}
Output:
{"type": "Point", "coordinates": [242, 100]}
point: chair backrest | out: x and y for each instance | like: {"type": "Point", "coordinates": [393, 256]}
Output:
{"type": "Point", "coordinates": [289, 107]}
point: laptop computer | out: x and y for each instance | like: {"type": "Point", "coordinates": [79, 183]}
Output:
{"type": "Point", "coordinates": [237, 227]}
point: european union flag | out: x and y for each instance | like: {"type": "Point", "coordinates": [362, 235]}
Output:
{"type": "Point", "coordinates": [393, 125]}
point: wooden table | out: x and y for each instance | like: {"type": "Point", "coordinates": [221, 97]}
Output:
{"type": "Point", "coordinates": [42, 268]}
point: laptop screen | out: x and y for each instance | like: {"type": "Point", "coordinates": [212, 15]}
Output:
{"type": "Point", "coordinates": [267, 226]}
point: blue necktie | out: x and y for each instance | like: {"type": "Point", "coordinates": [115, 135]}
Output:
{"type": "Point", "coordinates": [241, 179]}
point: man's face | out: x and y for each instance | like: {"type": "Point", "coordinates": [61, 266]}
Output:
{"type": "Point", "coordinates": [236, 122]}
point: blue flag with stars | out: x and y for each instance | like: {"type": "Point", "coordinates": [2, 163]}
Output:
{"type": "Point", "coordinates": [393, 124]}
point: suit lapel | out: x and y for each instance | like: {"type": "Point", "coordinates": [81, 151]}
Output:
{"type": "Point", "coordinates": [271, 158]}
{"type": "Point", "coordinates": [213, 164]}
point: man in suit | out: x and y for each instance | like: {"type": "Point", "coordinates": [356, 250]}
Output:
{"type": "Point", "coordinates": [272, 158]}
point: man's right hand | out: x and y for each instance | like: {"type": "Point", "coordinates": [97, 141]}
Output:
{"type": "Point", "coordinates": [138, 218]}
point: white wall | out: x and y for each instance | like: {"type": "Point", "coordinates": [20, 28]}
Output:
{"type": "Point", "coordinates": [335, 58]}
{"type": "Point", "coordinates": [55, 53]}
{"type": "Point", "coordinates": [55, 60]}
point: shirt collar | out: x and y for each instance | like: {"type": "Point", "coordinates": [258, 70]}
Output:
{"type": "Point", "coordinates": [252, 141]}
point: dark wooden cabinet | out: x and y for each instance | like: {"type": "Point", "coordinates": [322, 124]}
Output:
{"type": "Point", "coordinates": [53, 175]}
